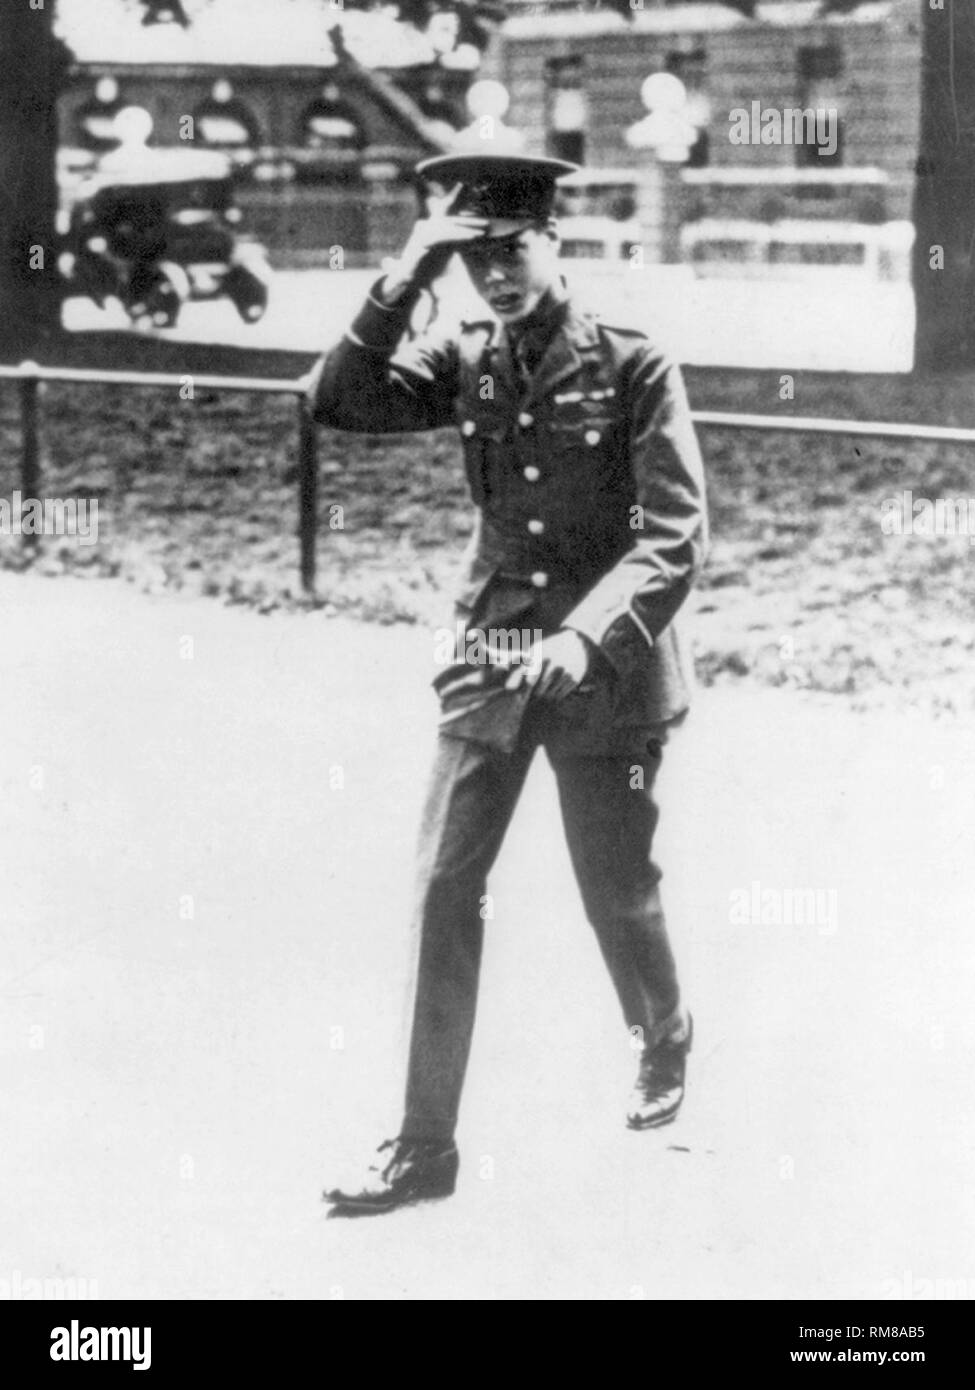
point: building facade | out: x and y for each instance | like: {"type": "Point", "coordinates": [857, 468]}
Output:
{"type": "Point", "coordinates": [575, 73]}
{"type": "Point", "coordinates": [322, 122]}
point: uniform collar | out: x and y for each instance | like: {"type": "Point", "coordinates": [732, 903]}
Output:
{"type": "Point", "coordinates": [532, 334]}
{"type": "Point", "coordinates": [571, 335]}
{"type": "Point", "coordinates": [559, 311]}
{"type": "Point", "coordinates": [571, 338]}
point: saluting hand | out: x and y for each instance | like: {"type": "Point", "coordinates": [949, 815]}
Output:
{"type": "Point", "coordinates": [557, 666]}
{"type": "Point", "coordinates": [431, 243]}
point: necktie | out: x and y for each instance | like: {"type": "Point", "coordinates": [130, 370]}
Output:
{"type": "Point", "coordinates": [523, 359]}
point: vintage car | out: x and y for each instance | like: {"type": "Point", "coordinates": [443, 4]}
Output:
{"type": "Point", "coordinates": [158, 229]}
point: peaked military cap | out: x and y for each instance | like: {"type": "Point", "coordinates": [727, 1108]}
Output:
{"type": "Point", "coordinates": [511, 190]}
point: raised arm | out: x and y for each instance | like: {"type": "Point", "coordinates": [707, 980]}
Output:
{"type": "Point", "coordinates": [375, 382]}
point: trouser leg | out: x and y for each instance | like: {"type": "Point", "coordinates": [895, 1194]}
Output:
{"type": "Point", "coordinates": [610, 816]}
{"type": "Point", "coordinates": [471, 797]}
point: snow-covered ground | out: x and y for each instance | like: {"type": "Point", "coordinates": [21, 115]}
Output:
{"type": "Point", "coordinates": [206, 828]}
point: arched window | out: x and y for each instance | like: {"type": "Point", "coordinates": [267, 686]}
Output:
{"type": "Point", "coordinates": [329, 124]}
{"type": "Point", "coordinates": [224, 122]}
{"type": "Point", "coordinates": [95, 118]}
{"type": "Point", "coordinates": [437, 105]}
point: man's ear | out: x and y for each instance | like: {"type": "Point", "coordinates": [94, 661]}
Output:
{"type": "Point", "coordinates": [551, 231]}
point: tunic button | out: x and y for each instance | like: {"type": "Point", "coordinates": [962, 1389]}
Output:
{"type": "Point", "coordinates": [524, 419]}
{"type": "Point", "coordinates": [468, 428]}
{"type": "Point", "coordinates": [536, 527]}
{"type": "Point", "coordinates": [592, 437]}
{"type": "Point", "coordinates": [531, 473]}
{"type": "Point", "coordinates": [540, 579]}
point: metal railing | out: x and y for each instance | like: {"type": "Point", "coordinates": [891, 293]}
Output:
{"type": "Point", "coordinates": [30, 375]}
{"type": "Point", "coordinates": [811, 424]}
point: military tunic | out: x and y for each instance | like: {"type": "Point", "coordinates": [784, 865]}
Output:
{"type": "Point", "coordinates": [589, 483]}
{"type": "Point", "coordinates": [591, 515]}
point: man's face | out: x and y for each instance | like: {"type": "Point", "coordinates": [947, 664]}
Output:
{"type": "Point", "coordinates": [512, 273]}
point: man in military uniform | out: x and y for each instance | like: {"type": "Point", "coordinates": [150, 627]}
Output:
{"type": "Point", "coordinates": [583, 464]}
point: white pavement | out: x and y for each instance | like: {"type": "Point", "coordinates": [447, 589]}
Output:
{"type": "Point", "coordinates": [177, 1088]}
{"type": "Point", "coordinates": [823, 324]}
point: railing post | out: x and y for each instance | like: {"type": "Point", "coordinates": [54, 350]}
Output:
{"type": "Point", "coordinates": [307, 493]}
{"type": "Point", "coordinates": [30, 468]}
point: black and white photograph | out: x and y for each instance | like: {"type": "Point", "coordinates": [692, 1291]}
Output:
{"type": "Point", "coordinates": [487, 689]}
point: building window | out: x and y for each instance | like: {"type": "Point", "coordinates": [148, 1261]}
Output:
{"type": "Point", "coordinates": [819, 69]}
{"type": "Point", "coordinates": [224, 122]}
{"type": "Point", "coordinates": [819, 63]}
{"type": "Point", "coordinates": [568, 109]}
{"type": "Point", "coordinates": [826, 150]}
{"type": "Point", "coordinates": [165, 12]}
{"type": "Point", "coordinates": [438, 106]}
{"type": "Point", "coordinates": [329, 124]}
{"type": "Point", "coordinates": [95, 119]}
{"type": "Point", "coordinates": [690, 65]}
